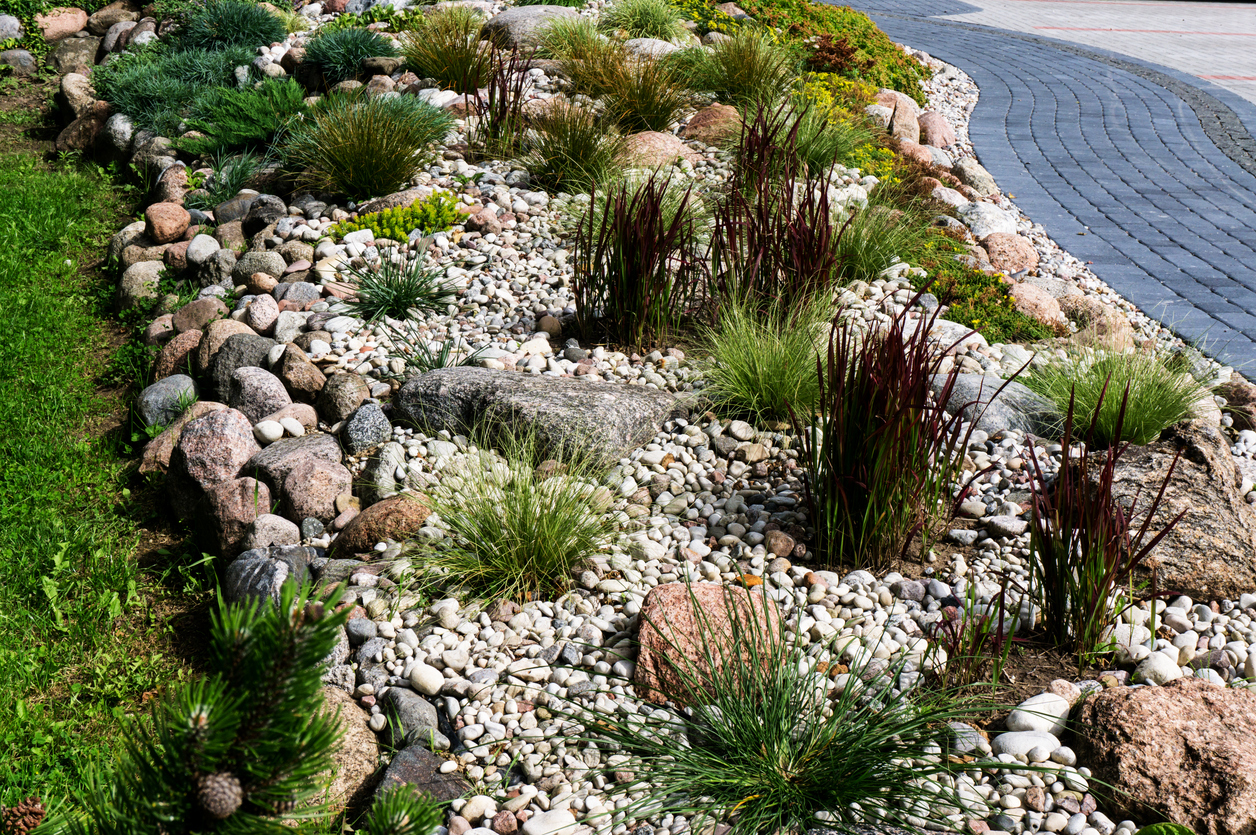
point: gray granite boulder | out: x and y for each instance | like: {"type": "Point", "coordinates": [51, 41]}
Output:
{"type": "Point", "coordinates": [276, 462]}
{"type": "Point", "coordinates": [521, 26]}
{"type": "Point", "coordinates": [241, 350]}
{"type": "Point", "coordinates": [162, 402]}
{"type": "Point", "coordinates": [598, 419]}
{"type": "Point", "coordinates": [411, 718]}
{"type": "Point", "coordinates": [259, 574]}
{"type": "Point", "coordinates": [366, 429]}
{"type": "Point", "coordinates": [995, 409]}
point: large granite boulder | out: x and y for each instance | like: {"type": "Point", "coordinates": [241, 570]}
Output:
{"type": "Point", "coordinates": [686, 626]}
{"type": "Point", "coordinates": [350, 780]}
{"type": "Point", "coordinates": [1211, 553]}
{"type": "Point", "coordinates": [260, 574]}
{"type": "Point", "coordinates": [396, 518]}
{"type": "Point", "coordinates": [602, 420]}
{"type": "Point", "coordinates": [997, 405]}
{"type": "Point", "coordinates": [521, 26]}
{"type": "Point", "coordinates": [211, 449]}
{"type": "Point", "coordinates": [1185, 751]}
{"type": "Point", "coordinates": [419, 768]}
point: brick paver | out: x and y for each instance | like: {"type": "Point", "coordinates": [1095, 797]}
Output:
{"type": "Point", "coordinates": [1147, 172]}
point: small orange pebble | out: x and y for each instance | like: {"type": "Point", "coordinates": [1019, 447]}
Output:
{"type": "Point", "coordinates": [750, 580]}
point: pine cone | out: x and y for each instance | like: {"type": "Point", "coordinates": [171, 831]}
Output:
{"type": "Point", "coordinates": [220, 794]}
{"type": "Point", "coordinates": [22, 818]}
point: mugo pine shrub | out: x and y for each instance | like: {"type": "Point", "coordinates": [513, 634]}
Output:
{"type": "Point", "coordinates": [238, 750]}
{"type": "Point", "coordinates": [239, 119]}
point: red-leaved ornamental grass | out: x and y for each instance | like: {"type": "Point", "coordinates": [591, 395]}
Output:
{"type": "Point", "coordinates": [499, 111]}
{"type": "Point", "coordinates": [1086, 543]}
{"type": "Point", "coordinates": [637, 268]}
{"type": "Point", "coordinates": [776, 235]}
{"type": "Point", "coordinates": [882, 454]}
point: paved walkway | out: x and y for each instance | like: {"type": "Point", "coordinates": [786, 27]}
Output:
{"type": "Point", "coordinates": [1154, 164]}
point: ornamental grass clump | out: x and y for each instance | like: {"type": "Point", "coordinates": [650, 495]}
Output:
{"type": "Point", "coordinates": [759, 736]}
{"type": "Point", "coordinates": [363, 146]}
{"type": "Point", "coordinates": [446, 46]}
{"type": "Point", "coordinates": [521, 525]}
{"type": "Point", "coordinates": [1087, 541]}
{"type": "Point", "coordinates": [637, 265]}
{"type": "Point", "coordinates": [338, 55]}
{"type": "Point", "coordinates": [879, 236]}
{"type": "Point", "coordinates": [882, 453]}
{"type": "Point", "coordinates": [1160, 392]}
{"type": "Point", "coordinates": [497, 127]}
{"type": "Point", "coordinates": [397, 287]}
{"type": "Point", "coordinates": [643, 19]}
{"type": "Point", "coordinates": [751, 68]}
{"type": "Point", "coordinates": [570, 38]}
{"type": "Point", "coordinates": [571, 148]}
{"type": "Point", "coordinates": [220, 24]}
{"type": "Point", "coordinates": [643, 94]}
{"type": "Point", "coordinates": [763, 361]}
{"type": "Point", "coordinates": [776, 236]}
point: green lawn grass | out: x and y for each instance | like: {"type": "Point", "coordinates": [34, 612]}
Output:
{"type": "Point", "coordinates": [74, 653]}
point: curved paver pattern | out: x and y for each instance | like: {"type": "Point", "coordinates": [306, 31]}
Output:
{"type": "Point", "coordinates": [1100, 144]}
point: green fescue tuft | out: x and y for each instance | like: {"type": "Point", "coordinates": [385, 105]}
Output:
{"type": "Point", "coordinates": [521, 527]}
{"type": "Point", "coordinates": [219, 24]}
{"type": "Point", "coordinates": [643, 19]}
{"type": "Point", "coordinates": [571, 149]}
{"type": "Point", "coordinates": [763, 363]}
{"type": "Point", "coordinates": [1160, 393]}
{"type": "Point", "coordinates": [762, 739]}
{"type": "Point", "coordinates": [230, 175]}
{"type": "Point", "coordinates": [750, 69]}
{"type": "Point", "coordinates": [446, 46]}
{"type": "Point", "coordinates": [877, 238]}
{"type": "Point", "coordinates": [825, 142]}
{"type": "Point", "coordinates": [363, 146]}
{"type": "Point", "coordinates": [574, 38]}
{"type": "Point", "coordinates": [339, 54]}
{"type": "Point", "coordinates": [644, 95]}
{"type": "Point", "coordinates": [395, 287]}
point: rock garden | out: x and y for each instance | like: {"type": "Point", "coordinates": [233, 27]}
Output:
{"type": "Point", "coordinates": [648, 417]}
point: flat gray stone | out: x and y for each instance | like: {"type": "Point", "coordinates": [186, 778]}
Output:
{"type": "Point", "coordinates": [521, 26]}
{"type": "Point", "coordinates": [601, 420]}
